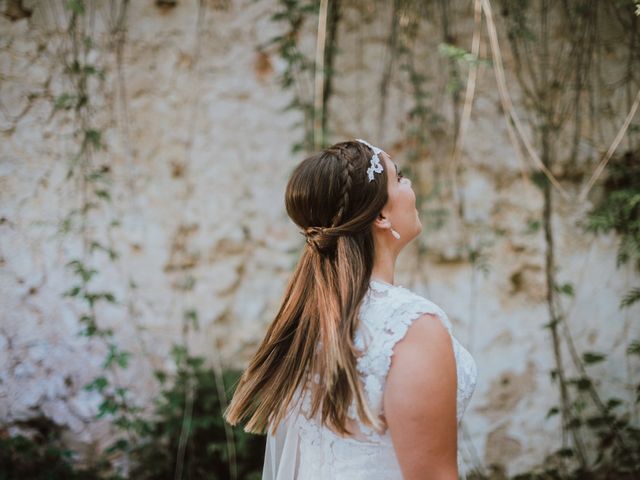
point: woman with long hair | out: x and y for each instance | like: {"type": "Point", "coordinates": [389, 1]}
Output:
{"type": "Point", "coordinates": [356, 378]}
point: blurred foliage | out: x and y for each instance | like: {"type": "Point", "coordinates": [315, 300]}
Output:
{"type": "Point", "coordinates": [22, 458]}
{"type": "Point", "coordinates": [188, 411]}
{"type": "Point", "coordinates": [618, 210]}
{"type": "Point", "coordinates": [39, 456]}
{"type": "Point", "coordinates": [199, 422]}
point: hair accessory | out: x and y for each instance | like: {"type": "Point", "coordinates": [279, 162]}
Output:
{"type": "Point", "coordinates": [376, 166]}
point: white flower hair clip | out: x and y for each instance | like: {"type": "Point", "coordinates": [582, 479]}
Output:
{"type": "Point", "coordinates": [376, 166]}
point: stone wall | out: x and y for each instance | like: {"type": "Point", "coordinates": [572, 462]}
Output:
{"type": "Point", "coordinates": [199, 151]}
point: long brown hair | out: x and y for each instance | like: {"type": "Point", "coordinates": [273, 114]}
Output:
{"type": "Point", "coordinates": [329, 196]}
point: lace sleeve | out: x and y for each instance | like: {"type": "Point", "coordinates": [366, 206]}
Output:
{"type": "Point", "coordinates": [384, 325]}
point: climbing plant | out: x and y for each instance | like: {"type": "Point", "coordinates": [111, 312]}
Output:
{"type": "Point", "coordinates": [90, 170]}
{"type": "Point", "coordinates": [298, 73]}
{"type": "Point", "coordinates": [611, 446]}
{"type": "Point", "coordinates": [618, 210]}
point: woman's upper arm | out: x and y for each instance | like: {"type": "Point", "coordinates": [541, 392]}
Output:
{"type": "Point", "coordinates": [420, 402]}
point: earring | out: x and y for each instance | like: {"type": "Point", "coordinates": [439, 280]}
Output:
{"type": "Point", "coordinates": [395, 234]}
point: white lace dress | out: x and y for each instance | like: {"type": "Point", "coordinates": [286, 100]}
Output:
{"type": "Point", "coordinates": [303, 449]}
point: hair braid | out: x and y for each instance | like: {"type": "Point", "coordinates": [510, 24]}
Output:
{"type": "Point", "coordinates": [346, 178]}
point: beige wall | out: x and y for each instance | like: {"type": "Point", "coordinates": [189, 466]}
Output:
{"type": "Point", "coordinates": [198, 176]}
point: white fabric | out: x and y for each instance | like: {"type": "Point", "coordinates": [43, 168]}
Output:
{"type": "Point", "coordinates": [303, 449]}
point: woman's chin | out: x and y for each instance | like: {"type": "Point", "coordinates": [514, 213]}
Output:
{"type": "Point", "coordinates": [417, 232]}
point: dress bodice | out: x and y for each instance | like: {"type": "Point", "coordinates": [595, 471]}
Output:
{"type": "Point", "coordinates": [303, 448]}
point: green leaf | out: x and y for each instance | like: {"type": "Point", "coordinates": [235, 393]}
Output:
{"type": "Point", "coordinates": [65, 101]}
{"type": "Point", "coordinates": [93, 137]}
{"type": "Point", "coordinates": [72, 292]}
{"type": "Point", "coordinates": [90, 330]}
{"type": "Point", "coordinates": [90, 70]}
{"type": "Point", "coordinates": [593, 357]}
{"type": "Point", "coordinates": [191, 316]}
{"type": "Point", "coordinates": [565, 289]}
{"type": "Point", "coordinates": [123, 359]}
{"type": "Point", "coordinates": [565, 452]}
{"type": "Point", "coordinates": [76, 6]}
{"type": "Point", "coordinates": [98, 385]}
{"type": "Point", "coordinates": [539, 179]}
{"type": "Point", "coordinates": [460, 54]}
{"type": "Point", "coordinates": [95, 175]}
{"type": "Point", "coordinates": [533, 226]}
{"type": "Point", "coordinates": [91, 298]}
{"type": "Point", "coordinates": [552, 411]}
{"type": "Point", "coordinates": [634, 348]}
{"type": "Point", "coordinates": [116, 356]}
{"type": "Point", "coordinates": [108, 407]}
{"type": "Point", "coordinates": [120, 445]}
{"type": "Point", "coordinates": [575, 422]}
{"type": "Point", "coordinates": [582, 383]}
{"type": "Point", "coordinates": [109, 251]}
{"type": "Point", "coordinates": [631, 297]}
{"type": "Point", "coordinates": [103, 194]}
{"type": "Point", "coordinates": [597, 421]}
{"type": "Point", "coordinates": [613, 403]}
{"type": "Point", "coordinates": [160, 376]}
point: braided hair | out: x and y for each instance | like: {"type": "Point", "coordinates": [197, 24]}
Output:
{"type": "Point", "coordinates": [348, 160]}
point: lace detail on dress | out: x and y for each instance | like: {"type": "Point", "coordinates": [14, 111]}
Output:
{"type": "Point", "coordinates": [303, 448]}
{"type": "Point", "coordinates": [386, 314]}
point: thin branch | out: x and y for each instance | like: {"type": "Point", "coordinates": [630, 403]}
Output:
{"type": "Point", "coordinates": [390, 56]}
{"type": "Point", "coordinates": [333, 22]}
{"type": "Point", "coordinates": [468, 99]}
{"type": "Point", "coordinates": [603, 163]}
{"type": "Point", "coordinates": [185, 429]}
{"type": "Point", "coordinates": [224, 401]}
{"type": "Point", "coordinates": [319, 75]}
{"type": "Point", "coordinates": [507, 104]}
{"type": "Point", "coordinates": [448, 38]}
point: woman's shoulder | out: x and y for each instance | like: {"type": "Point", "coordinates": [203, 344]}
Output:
{"type": "Point", "coordinates": [387, 304]}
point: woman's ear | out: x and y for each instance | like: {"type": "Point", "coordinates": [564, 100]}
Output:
{"type": "Point", "coordinates": [382, 222]}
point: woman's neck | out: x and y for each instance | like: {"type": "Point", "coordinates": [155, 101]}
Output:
{"type": "Point", "coordinates": [383, 268]}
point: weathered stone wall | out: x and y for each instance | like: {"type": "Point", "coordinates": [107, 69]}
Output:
{"type": "Point", "coordinates": [199, 153]}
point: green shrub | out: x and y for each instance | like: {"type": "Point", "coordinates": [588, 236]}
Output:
{"type": "Point", "coordinates": [40, 456]}
{"type": "Point", "coordinates": [185, 437]}
{"type": "Point", "coordinates": [189, 410]}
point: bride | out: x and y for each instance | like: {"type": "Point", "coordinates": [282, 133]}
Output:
{"type": "Point", "coordinates": [357, 377]}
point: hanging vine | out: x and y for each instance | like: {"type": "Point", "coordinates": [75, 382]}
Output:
{"type": "Point", "coordinates": [542, 77]}
{"type": "Point", "coordinates": [93, 179]}
{"type": "Point", "coordinates": [137, 443]}
{"type": "Point", "coordinates": [299, 71]}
